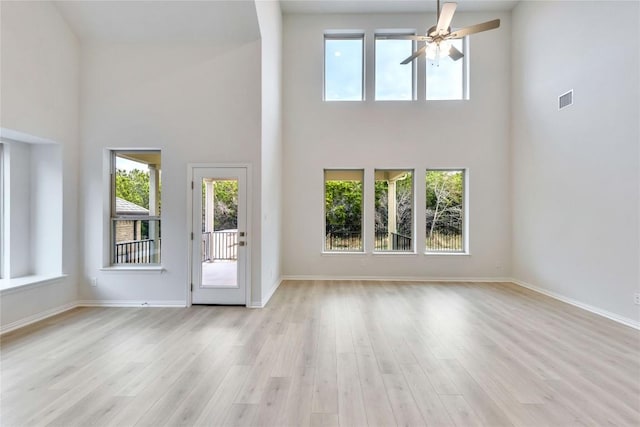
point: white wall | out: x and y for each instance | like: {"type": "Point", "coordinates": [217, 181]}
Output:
{"type": "Point", "coordinates": [39, 79]}
{"type": "Point", "coordinates": [576, 180]}
{"type": "Point", "coordinates": [198, 103]}
{"type": "Point", "coordinates": [471, 134]}
{"type": "Point", "coordinates": [19, 210]}
{"type": "Point", "coordinates": [46, 209]}
{"type": "Point", "coordinates": [270, 20]}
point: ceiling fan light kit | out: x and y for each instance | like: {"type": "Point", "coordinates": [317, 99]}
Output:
{"type": "Point", "coordinates": [438, 38]}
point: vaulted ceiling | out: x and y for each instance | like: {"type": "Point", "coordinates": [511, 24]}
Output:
{"type": "Point", "coordinates": [218, 20]}
{"type": "Point", "coordinates": [389, 6]}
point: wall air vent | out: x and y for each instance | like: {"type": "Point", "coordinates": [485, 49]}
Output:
{"type": "Point", "coordinates": [565, 100]}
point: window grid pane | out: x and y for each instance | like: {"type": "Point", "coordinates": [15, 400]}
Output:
{"type": "Point", "coordinates": [445, 211]}
{"type": "Point", "coordinates": [445, 77]}
{"type": "Point", "coordinates": [343, 193]}
{"type": "Point", "coordinates": [394, 81]}
{"type": "Point", "coordinates": [135, 217]}
{"type": "Point", "coordinates": [393, 210]}
{"type": "Point", "coordinates": [343, 68]}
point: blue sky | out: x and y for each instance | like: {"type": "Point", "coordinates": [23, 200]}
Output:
{"type": "Point", "coordinates": [343, 72]}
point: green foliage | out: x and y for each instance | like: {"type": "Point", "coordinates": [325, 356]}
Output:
{"type": "Point", "coordinates": [133, 186]}
{"type": "Point", "coordinates": [404, 202]}
{"type": "Point", "coordinates": [343, 205]}
{"type": "Point", "coordinates": [225, 205]}
{"type": "Point", "coordinates": [444, 193]}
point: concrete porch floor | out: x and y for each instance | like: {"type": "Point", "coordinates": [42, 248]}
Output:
{"type": "Point", "coordinates": [220, 273]}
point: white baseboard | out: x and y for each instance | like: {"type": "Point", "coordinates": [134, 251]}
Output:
{"type": "Point", "coordinates": [604, 313]}
{"type": "Point", "coordinates": [131, 303]}
{"type": "Point", "coordinates": [36, 317]}
{"type": "Point", "coordinates": [400, 278]}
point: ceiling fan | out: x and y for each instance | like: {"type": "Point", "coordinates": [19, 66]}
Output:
{"type": "Point", "coordinates": [437, 39]}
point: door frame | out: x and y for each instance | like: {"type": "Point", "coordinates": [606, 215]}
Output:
{"type": "Point", "coordinates": [190, 169]}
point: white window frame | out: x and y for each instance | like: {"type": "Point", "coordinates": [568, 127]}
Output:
{"type": "Point", "coordinates": [465, 75]}
{"type": "Point", "coordinates": [465, 213]}
{"type": "Point", "coordinates": [413, 65]}
{"type": "Point", "coordinates": [2, 212]}
{"type": "Point", "coordinates": [414, 235]}
{"type": "Point", "coordinates": [114, 217]}
{"type": "Point", "coordinates": [344, 35]}
{"type": "Point", "coordinates": [363, 211]}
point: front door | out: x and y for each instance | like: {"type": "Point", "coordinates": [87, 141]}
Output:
{"type": "Point", "coordinates": [219, 246]}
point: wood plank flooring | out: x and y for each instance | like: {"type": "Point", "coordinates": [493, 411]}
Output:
{"type": "Point", "coordinates": [328, 354]}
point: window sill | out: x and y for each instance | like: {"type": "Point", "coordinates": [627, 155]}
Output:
{"type": "Point", "coordinates": [135, 269]}
{"type": "Point", "coordinates": [448, 253]}
{"type": "Point", "coordinates": [323, 253]}
{"type": "Point", "coordinates": [393, 253]}
{"type": "Point", "coordinates": [23, 283]}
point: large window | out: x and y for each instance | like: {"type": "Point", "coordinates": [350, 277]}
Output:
{"type": "Point", "coordinates": [343, 193]}
{"type": "Point", "coordinates": [135, 207]}
{"type": "Point", "coordinates": [31, 206]}
{"type": "Point", "coordinates": [343, 67]}
{"type": "Point", "coordinates": [393, 210]}
{"type": "Point", "coordinates": [445, 210]}
{"type": "Point", "coordinates": [446, 77]}
{"type": "Point", "coordinates": [2, 192]}
{"type": "Point", "coordinates": [394, 81]}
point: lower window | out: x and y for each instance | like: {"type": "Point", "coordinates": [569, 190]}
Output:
{"type": "Point", "coordinates": [445, 210]}
{"type": "Point", "coordinates": [394, 210]}
{"type": "Point", "coordinates": [135, 207]}
{"type": "Point", "coordinates": [343, 191]}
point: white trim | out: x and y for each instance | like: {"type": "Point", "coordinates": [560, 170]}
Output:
{"type": "Point", "coordinates": [131, 303]}
{"type": "Point", "coordinates": [349, 253]}
{"type": "Point", "coordinates": [36, 317]}
{"type": "Point", "coordinates": [249, 229]}
{"type": "Point", "coordinates": [595, 310]}
{"type": "Point", "coordinates": [16, 136]}
{"type": "Point", "coordinates": [9, 286]}
{"type": "Point", "coordinates": [447, 253]}
{"type": "Point", "coordinates": [399, 278]}
{"type": "Point", "coordinates": [134, 269]}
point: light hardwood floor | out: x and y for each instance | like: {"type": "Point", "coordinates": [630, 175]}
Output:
{"type": "Point", "coordinates": [329, 353]}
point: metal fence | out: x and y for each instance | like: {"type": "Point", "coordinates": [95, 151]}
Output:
{"type": "Point", "coordinates": [398, 242]}
{"type": "Point", "coordinates": [343, 240]}
{"type": "Point", "coordinates": [137, 252]}
{"type": "Point", "coordinates": [445, 236]}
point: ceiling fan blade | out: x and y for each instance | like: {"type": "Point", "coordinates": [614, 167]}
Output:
{"type": "Point", "coordinates": [455, 54]}
{"type": "Point", "coordinates": [489, 25]}
{"type": "Point", "coordinates": [403, 37]}
{"type": "Point", "coordinates": [415, 54]}
{"type": "Point", "coordinates": [446, 15]}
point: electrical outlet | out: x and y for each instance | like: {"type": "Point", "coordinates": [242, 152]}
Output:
{"type": "Point", "coordinates": [94, 281]}
{"type": "Point", "coordinates": [636, 298]}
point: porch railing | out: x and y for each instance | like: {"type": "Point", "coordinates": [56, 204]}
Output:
{"type": "Point", "coordinates": [206, 246]}
{"type": "Point", "coordinates": [136, 251]}
{"type": "Point", "coordinates": [220, 245]}
{"type": "Point", "coordinates": [398, 242]}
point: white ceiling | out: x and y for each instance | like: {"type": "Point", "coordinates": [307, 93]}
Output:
{"type": "Point", "coordinates": [389, 6]}
{"type": "Point", "coordinates": [162, 21]}
{"type": "Point", "coordinates": [217, 20]}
